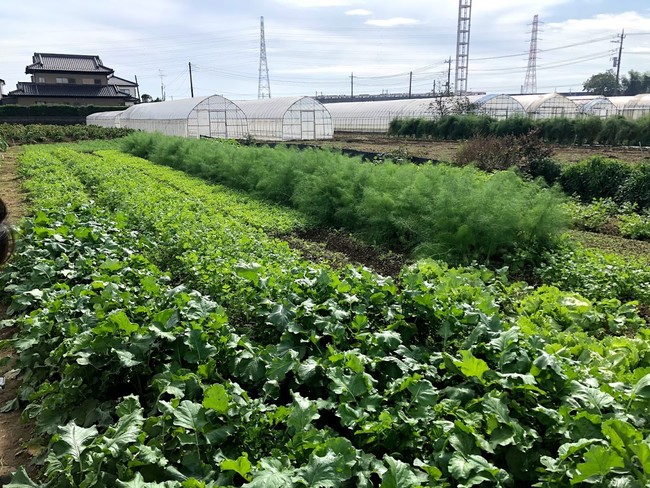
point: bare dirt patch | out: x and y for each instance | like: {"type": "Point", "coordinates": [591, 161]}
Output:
{"type": "Point", "coordinates": [14, 434]}
{"type": "Point", "coordinates": [338, 249]}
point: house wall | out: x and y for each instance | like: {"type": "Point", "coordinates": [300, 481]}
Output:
{"type": "Point", "coordinates": [80, 78]}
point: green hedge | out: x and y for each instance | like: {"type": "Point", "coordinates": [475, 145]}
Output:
{"type": "Point", "coordinates": [600, 177]}
{"type": "Point", "coordinates": [54, 110]}
{"type": "Point", "coordinates": [586, 130]}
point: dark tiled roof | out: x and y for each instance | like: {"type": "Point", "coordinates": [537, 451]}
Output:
{"type": "Point", "coordinates": [67, 62]}
{"type": "Point", "coordinates": [116, 80]}
{"type": "Point", "coordinates": [67, 90]}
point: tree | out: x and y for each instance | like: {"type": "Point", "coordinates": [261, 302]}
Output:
{"type": "Point", "coordinates": [146, 98]}
{"type": "Point", "coordinates": [602, 84]}
{"type": "Point", "coordinates": [635, 82]}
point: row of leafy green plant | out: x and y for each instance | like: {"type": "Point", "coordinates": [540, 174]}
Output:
{"type": "Point", "coordinates": [435, 210]}
{"type": "Point", "coordinates": [605, 216]}
{"type": "Point", "coordinates": [290, 374]}
{"type": "Point", "coordinates": [17, 134]}
{"type": "Point", "coordinates": [558, 130]}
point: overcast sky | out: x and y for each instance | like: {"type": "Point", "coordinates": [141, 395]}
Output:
{"type": "Point", "coordinates": [313, 46]}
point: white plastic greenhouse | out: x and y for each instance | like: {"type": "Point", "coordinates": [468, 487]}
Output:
{"type": "Point", "coordinates": [105, 119]}
{"type": "Point", "coordinates": [376, 116]}
{"type": "Point", "coordinates": [287, 118]}
{"type": "Point", "coordinates": [620, 103]}
{"type": "Point", "coordinates": [497, 106]}
{"type": "Point", "coordinates": [594, 106]}
{"type": "Point", "coordinates": [211, 116]}
{"type": "Point", "coordinates": [637, 107]}
{"type": "Point", "coordinates": [547, 106]}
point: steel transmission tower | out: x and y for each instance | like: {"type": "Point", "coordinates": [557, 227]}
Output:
{"type": "Point", "coordinates": [462, 45]}
{"type": "Point", "coordinates": [264, 86]}
{"type": "Point", "coordinates": [530, 84]}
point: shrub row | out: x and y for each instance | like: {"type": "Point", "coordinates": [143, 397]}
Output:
{"type": "Point", "coordinates": [586, 130]}
{"type": "Point", "coordinates": [54, 110]}
{"type": "Point", "coordinates": [434, 210]}
{"type": "Point", "coordinates": [600, 177]}
{"type": "Point", "coordinates": [16, 134]}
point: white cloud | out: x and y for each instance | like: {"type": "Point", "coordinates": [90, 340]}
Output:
{"type": "Point", "coordinates": [358, 11]}
{"type": "Point", "coordinates": [392, 22]}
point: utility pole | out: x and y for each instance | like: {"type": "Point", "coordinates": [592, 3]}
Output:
{"type": "Point", "coordinates": [448, 91]}
{"type": "Point", "coordinates": [191, 84]}
{"type": "Point", "coordinates": [617, 61]}
{"type": "Point", "coordinates": [137, 86]}
{"type": "Point", "coordinates": [352, 85]}
{"type": "Point", "coordinates": [410, 82]}
{"type": "Point", "coordinates": [162, 85]}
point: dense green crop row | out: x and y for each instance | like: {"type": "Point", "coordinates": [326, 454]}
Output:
{"type": "Point", "coordinates": [448, 377]}
{"type": "Point", "coordinates": [434, 210]}
{"type": "Point", "coordinates": [585, 130]}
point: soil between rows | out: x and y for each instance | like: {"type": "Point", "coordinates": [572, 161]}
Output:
{"type": "Point", "coordinates": [14, 434]}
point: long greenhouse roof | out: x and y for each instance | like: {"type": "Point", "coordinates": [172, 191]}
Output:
{"type": "Point", "coordinates": [275, 108]}
{"type": "Point", "coordinates": [173, 109]}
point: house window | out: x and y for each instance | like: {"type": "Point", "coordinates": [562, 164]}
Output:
{"type": "Point", "coordinates": [40, 79]}
{"type": "Point", "coordinates": [61, 80]}
{"type": "Point", "coordinates": [98, 82]}
{"type": "Point", "coordinates": [72, 80]}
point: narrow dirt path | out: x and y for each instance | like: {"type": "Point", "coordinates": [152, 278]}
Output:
{"type": "Point", "coordinates": [14, 434]}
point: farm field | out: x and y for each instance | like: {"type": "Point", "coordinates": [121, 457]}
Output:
{"type": "Point", "coordinates": [445, 150]}
{"type": "Point", "coordinates": [166, 337]}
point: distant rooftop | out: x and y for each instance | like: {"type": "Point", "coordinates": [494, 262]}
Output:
{"type": "Point", "coordinates": [67, 62]}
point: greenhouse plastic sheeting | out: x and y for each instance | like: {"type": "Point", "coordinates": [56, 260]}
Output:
{"type": "Point", "coordinates": [210, 116]}
{"type": "Point", "coordinates": [287, 118]}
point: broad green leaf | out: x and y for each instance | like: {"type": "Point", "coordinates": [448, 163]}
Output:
{"type": "Point", "coordinates": [75, 438]}
{"type": "Point", "coordinates": [354, 384]}
{"type": "Point", "coordinates": [591, 397]}
{"type": "Point", "coordinates": [128, 427]}
{"type": "Point", "coordinates": [201, 349]}
{"type": "Point", "coordinates": [424, 393]}
{"type": "Point", "coordinates": [241, 465]}
{"type": "Point", "coordinates": [280, 365]}
{"type": "Point", "coordinates": [472, 366]}
{"type": "Point", "coordinates": [249, 271]}
{"type": "Point", "coordinates": [459, 467]}
{"type": "Point", "coordinates": [302, 413]}
{"type": "Point", "coordinates": [20, 479]}
{"type": "Point", "coordinates": [123, 323]}
{"type": "Point", "coordinates": [621, 435]}
{"type": "Point", "coordinates": [599, 462]}
{"type": "Point", "coordinates": [281, 316]}
{"type": "Point", "coordinates": [398, 475]}
{"type": "Point", "coordinates": [189, 415]}
{"type": "Point", "coordinates": [271, 474]}
{"type": "Point", "coordinates": [322, 471]}
{"type": "Point", "coordinates": [642, 452]}
{"type": "Point", "coordinates": [388, 339]}
{"type": "Point", "coordinates": [127, 359]}
{"type": "Point", "coordinates": [216, 398]}
{"type": "Point", "coordinates": [642, 388]}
